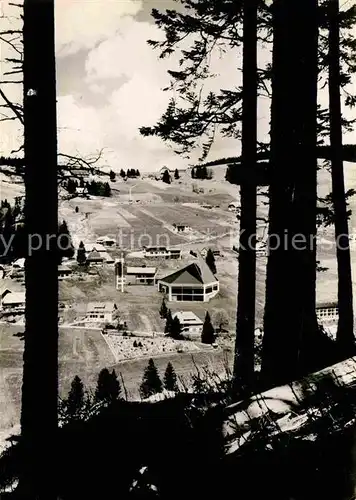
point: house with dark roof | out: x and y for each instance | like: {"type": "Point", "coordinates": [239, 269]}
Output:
{"type": "Point", "coordinates": [193, 282]}
{"type": "Point", "coordinates": [100, 312]}
{"type": "Point", "coordinates": [95, 258]}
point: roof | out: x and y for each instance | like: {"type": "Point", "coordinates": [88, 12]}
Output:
{"type": "Point", "coordinates": [101, 306]}
{"type": "Point", "coordinates": [196, 273]}
{"type": "Point", "coordinates": [19, 263]}
{"type": "Point", "coordinates": [105, 238]}
{"type": "Point", "coordinates": [161, 249]}
{"type": "Point", "coordinates": [14, 298]}
{"type": "Point", "coordinates": [186, 317]}
{"type": "Point", "coordinates": [141, 270]}
{"type": "Point", "coordinates": [95, 256]}
{"type": "Point", "coordinates": [90, 247]}
{"type": "Point", "coordinates": [107, 257]}
{"type": "Point", "coordinates": [325, 305]}
{"type": "Point", "coordinates": [64, 269]}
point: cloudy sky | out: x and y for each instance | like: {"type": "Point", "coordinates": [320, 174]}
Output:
{"type": "Point", "coordinates": [109, 83]}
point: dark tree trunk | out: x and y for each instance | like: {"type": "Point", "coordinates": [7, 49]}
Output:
{"type": "Point", "coordinates": [345, 334]}
{"type": "Point", "coordinates": [290, 325]}
{"type": "Point", "coordinates": [246, 297]}
{"type": "Point", "coordinates": [40, 388]}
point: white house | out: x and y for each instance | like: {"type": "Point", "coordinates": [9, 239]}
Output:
{"type": "Point", "coordinates": [100, 312]}
{"type": "Point", "coordinates": [90, 247]}
{"type": "Point", "coordinates": [190, 322]}
{"type": "Point", "coordinates": [162, 253]}
{"type": "Point", "coordinates": [215, 250]}
{"type": "Point", "coordinates": [233, 206]}
{"type": "Point", "coordinates": [193, 282]}
{"type": "Point", "coordinates": [94, 258]}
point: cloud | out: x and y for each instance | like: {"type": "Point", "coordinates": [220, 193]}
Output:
{"type": "Point", "coordinates": [81, 24]}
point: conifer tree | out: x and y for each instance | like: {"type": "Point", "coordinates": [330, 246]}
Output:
{"type": "Point", "coordinates": [169, 321]}
{"type": "Point", "coordinates": [164, 310]}
{"type": "Point", "coordinates": [66, 248]}
{"type": "Point", "coordinates": [166, 177]}
{"type": "Point", "coordinates": [107, 189]}
{"type": "Point", "coordinates": [208, 333]}
{"type": "Point", "coordinates": [108, 387]}
{"type": "Point", "coordinates": [176, 174]}
{"type": "Point", "coordinates": [170, 379]}
{"type": "Point", "coordinates": [122, 173]}
{"type": "Point", "coordinates": [175, 329]}
{"type": "Point", "coordinates": [81, 254]}
{"type": "Point", "coordinates": [151, 382]}
{"type": "Point", "coordinates": [138, 173]}
{"type": "Point", "coordinates": [210, 260]}
{"type": "Point", "coordinates": [76, 399]}
{"type": "Point", "coordinates": [112, 176]}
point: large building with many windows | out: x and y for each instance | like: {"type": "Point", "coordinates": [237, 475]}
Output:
{"type": "Point", "coordinates": [193, 282]}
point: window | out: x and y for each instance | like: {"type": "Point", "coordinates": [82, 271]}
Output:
{"type": "Point", "coordinates": [215, 287]}
{"type": "Point", "coordinates": [209, 289]}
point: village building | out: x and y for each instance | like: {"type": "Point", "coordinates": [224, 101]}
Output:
{"type": "Point", "coordinates": [181, 228]}
{"type": "Point", "coordinates": [64, 272]}
{"type": "Point", "coordinates": [215, 250]}
{"type": "Point", "coordinates": [94, 258]}
{"type": "Point", "coordinates": [91, 247]}
{"type": "Point", "coordinates": [19, 265]}
{"type": "Point", "coordinates": [14, 301]}
{"type": "Point", "coordinates": [100, 312]}
{"type": "Point", "coordinates": [106, 241]}
{"type": "Point", "coordinates": [190, 322]}
{"type": "Point", "coordinates": [107, 258]}
{"type": "Point", "coordinates": [134, 275]}
{"type": "Point", "coordinates": [4, 290]}
{"type": "Point", "coordinates": [81, 191]}
{"type": "Point", "coordinates": [162, 252]}
{"type": "Point", "coordinates": [193, 282]}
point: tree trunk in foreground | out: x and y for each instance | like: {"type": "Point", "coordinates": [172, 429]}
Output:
{"type": "Point", "coordinates": [345, 334]}
{"type": "Point", "coordinates": [290, 325]}
{"type": "Point", "coordinates": [246, 297]}
{"type": "Point", "coordinates": [40, 382]}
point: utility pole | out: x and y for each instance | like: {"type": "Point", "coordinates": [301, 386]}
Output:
{"type": "Point", "coordinates": [39, 421]}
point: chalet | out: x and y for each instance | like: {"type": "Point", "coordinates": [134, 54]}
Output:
{"type": "Point", "coordinates": [190, 322]}
{"type": "Point", "coordinates": [161, 253]}
{"type": "Point", "coordinates": [14, 301]}
{"type": "Point", "coordinates": [100, 312]}
{"type": "Point", "coordinates": [193, 282]}
{"type": "Point", "coordinates": [95, 258]}
{"type": "Point", "coordinates": [106, 242]}
{"type": "Point", "coordinates": [181, 228]}
{"type": "Point", "coordinates": [63, 272]}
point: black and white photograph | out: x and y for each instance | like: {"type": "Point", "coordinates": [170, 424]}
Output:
{"type": "Point", "coordinates": [177, 249]}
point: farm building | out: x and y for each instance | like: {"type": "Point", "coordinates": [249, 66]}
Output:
{"type": "Point", "coordinates": [19, 265]}
{"type": "Point", "coordinates": [107, 258]}
{"type": "Point", "coordinates": [106, 242]}
{"type": "Point", "coordinates": [193, 282]}
{"type": "Point", "coordinates": [14, 301]}
{"type": "Point", "coordinates": [190, 322]}
{"type": "Point", "coordinates": [100, 312]}
{"type": "Point", "coordinates": [95, 258]}
{"type": "Point", "coordinates": [161, 253]}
